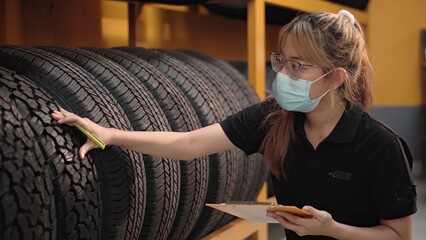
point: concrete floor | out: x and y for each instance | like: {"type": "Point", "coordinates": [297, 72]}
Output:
{"type": "Point", "coordinates": [275, 231]}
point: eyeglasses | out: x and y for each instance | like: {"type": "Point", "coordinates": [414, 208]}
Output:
{"type": "Point", "coordinates": [291, 67]}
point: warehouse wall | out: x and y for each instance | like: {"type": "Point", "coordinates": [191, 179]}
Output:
{"type": "Point", "coordinates": [396, 52]}
{"type": "Point", "coordinates": [394, 39]}
{"type": "Point", "coordinates": [51, 22]}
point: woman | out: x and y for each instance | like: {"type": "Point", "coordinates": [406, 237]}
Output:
{"type": "Point", "coordinates": [326, 154]}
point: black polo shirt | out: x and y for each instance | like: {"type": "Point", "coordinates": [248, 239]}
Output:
{"type": "Point", "coordinates": [358, 173]}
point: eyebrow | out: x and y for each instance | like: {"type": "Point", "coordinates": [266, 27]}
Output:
{"type": "Point", "coordinates": [297, 58]}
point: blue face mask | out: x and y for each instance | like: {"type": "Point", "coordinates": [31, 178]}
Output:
{"type": "Point", "coordinates": [293, 95]}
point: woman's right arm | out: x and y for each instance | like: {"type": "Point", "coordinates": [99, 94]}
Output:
{"type": "Point", "coordinates": [177, 145]}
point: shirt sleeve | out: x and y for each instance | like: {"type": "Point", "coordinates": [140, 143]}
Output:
{"type": "Point", "coordinates": [394, 193]}
{"type": "Point", "coordinates": [245, 129]}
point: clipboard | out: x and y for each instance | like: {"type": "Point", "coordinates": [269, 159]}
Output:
{"type": "Point", "coordinates": [256, 211]}
{"type": "Point", "coordinates": [252, 211]}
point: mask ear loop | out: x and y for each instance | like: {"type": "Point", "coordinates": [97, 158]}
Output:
{"type": "Point", "coordinates": [318, 80]}
{"type": "Point", "coordinates": [321, 95]}
{"type": "Point", "coordinates": [325, 74]}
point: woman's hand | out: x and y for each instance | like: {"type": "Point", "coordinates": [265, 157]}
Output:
{"type": "Point", "coordinates": [320, 224]}
{"type": "Point", "coordinates": [101, 132]}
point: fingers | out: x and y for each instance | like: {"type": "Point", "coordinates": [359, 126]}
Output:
{"type": "Point", "coordinates": [57, 115]}
{"type": "Point", "coordinates": [310, 209]}
{"type": "Point", "coordinates": [318, 225]}
{"type": "Point", "coordinates": [285, 222]}
{"type": "Point", "coordinates": [71, 119]}
{"type": "Point", "coordinates": [89, 145]}
{"type": "Point", "coordinates": [64, 117]}
{"type": "Point", "coordinates": [65, 111]}
{"type": "Point", "coordinates": [290, 217]}
{"type": "Point", "coordinates": [320, 215]}
{"type": "Point", "coordinates": [61, 118]}
{"type": "Point", "coordinates": [68, 116]}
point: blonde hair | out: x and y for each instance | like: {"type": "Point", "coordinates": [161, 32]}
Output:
{"type": "Point", "coordinates": [331, 41]}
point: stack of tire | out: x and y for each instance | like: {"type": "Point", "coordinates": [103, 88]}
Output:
{"type": "Point", "coordinates": [47, 192]}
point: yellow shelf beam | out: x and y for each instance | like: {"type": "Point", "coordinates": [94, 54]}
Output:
{"type": "Point", "coordinates": [251, 230]}
{"type": "Point", "coordinates": [240, 229]}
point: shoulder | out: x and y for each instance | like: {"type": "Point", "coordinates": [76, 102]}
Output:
{"type": "Point", "coordinates": [259, 111]}
{"type": "Point", "coordinates": [362, 128]}
{"type": "Point", "coordinates": [245, 129]}
{"type": "Point", "coordinates": [383, 143]}
{"type": "Point", "coordinates": [371, 128]}
{"type": "Point", "coordinates": [249, 118]}
{"type": "Point", "coordinates": [267, 106]}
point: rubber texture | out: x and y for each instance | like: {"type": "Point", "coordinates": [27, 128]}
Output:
{"type": "Point", "coordinates": [228, 100]}
{"type": "Point", "coordinates": [122, 187]}
{"type": "Point", "coordinates": [26, 194]}
{"type": "Point", "coordinates": [182, 118]}
{"type": "Point", "coordinates": [162, 175]}
{"type": "Point", "coordinates": [246, 96]}
{"type": "Point", "coordinates": [76, 192]}
{"type": "Point", "coordinates": [222, 169]}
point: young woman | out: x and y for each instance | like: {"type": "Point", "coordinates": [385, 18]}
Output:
{"type": "Point", "coordinates": [327, 155]}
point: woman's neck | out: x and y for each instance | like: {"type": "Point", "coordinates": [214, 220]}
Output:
{"type": "Point", "coordinates": [321, 122]}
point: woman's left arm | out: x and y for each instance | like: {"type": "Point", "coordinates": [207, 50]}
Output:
{"type": "Point", "coordinates": [323, 224]}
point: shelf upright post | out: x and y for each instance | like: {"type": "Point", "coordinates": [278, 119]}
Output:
{"type": "Point", "coordinates": [256, 45]}
{"type": "Point", "coordinates": [134, 9]}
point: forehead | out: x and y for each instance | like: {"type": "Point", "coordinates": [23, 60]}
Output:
{"type": "Point", "coordinates": [300, 48]}
{"type": "Point", "coordinates": [289, 51]}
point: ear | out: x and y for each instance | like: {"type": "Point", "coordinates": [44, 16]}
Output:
{"type": "Point", "coordinates": [339, 76]}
